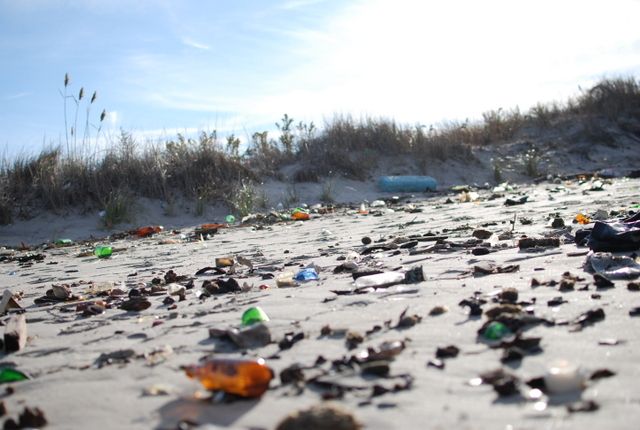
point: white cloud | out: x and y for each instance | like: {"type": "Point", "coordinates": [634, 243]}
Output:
{"type": "Point", "coordinates": [193, 44]}
{"type": "Point", "coordinates": [297, 4]}
{"type": "Point", "coordinates": [113, 118]}
{"type": "Point", "coordinates": [17, 96]}
{"type": "Point", "coordinates": [415, 60]}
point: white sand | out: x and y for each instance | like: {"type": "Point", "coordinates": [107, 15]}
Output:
{"type": "Point", "coordinates": [75, 394]}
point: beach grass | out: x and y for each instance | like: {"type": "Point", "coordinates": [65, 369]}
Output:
{"type": "Point", "coordinates": [208, 169]}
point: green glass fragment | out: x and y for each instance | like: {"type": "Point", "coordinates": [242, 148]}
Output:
{"type": "Point", "coordinates": [254, 315]}
{"type": "Point", "coordinates": [8, 374]}
{"type": "Point", "coordinates": [103, 251]}
{"type": "Point", "coordinates": [496, 330]}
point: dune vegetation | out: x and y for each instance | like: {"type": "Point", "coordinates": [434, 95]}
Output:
{"type": "Point", "coordinates": [211, 169]}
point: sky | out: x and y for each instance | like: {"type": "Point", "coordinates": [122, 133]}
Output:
{"type": "Point", "coordinates": [163, 67]}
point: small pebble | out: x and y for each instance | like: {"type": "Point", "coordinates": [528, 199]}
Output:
{"type": "Point", "coordinates": [481, 234]}
{"type": "Point", "coordinates": [438, 310]}
{"type": "Point", "coordinates": [480, 251]}
{"type": "Point", "coordinates": [509, 295]}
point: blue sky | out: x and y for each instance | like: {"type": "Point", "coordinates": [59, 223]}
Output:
{"type": "Point", "coordinates": [162, 67]}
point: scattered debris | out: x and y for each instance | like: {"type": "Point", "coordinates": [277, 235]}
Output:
{"type": "Point", "coordinates": [489, 268]}
{"type": "Point", "coordinates": [371, 270]}
{"type": "Point", "coordinates": [616, 236]}
{"type": "Point", "coordinates": [8, 302]}
{"type": "Point", "coordinates": [531, 242]}
{"type": "Point", "coordinates": [589, 317]}
{"type": "Point", "coordinates": [135, 304]}
{"type": "Point", "coordinates": [438, 310]}
{"type": "Point", "coordinates": [245, 378]}
{"type": "Point", "coordinates": [254, 336]}
{"type": "Point", "coordinates": [29, 418]}
{"type": "Point", "coordinates": [450, 351]}
{"type": "Point", "coordinates": [583, 406]}
{"type": "Point", "coordinates": [513, 201]}
{"type": "Point", "coordinates": [613, 266]}
{"type": "Point", "coordinates": [15, 333]}
{"type": "Point", "coordinates": [320, 417]}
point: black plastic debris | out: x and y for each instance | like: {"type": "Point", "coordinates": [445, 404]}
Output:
{"type": "Point", "coordinates": [602, 281]}
{"type": "Point", "coordinates": [320, 417]}
{"type": "Point", "coordinates": [376, 368]}
{"type": "Point", "coordinates": [437, 310]}
{"type": "Point", "coordinates": [410, 244]}
{"type": "Point", "coordinates": [482, 234]}
{"type": "Point", "coordinates": [480, 251]}
{"type": "Point", "coordinates": [532, 242]}
{"type": "Point", "coordinates": [29, 418]}
{"type": "Point", "coordinates": [292, 374]}
{"type": "Point", "coordinates": [414, 275]}
{"type": "Point", "coordinates": [556, 301]}
{"type": "Point", "coordinates": [290, 339]}
{"type": "Point", "coordinates": [581, 236]}
{"type": "Point", "coordinates": [436, 362]}
{"type": "Point", "coordinates": [568, 281]}
{"type": "Point", "coordinates": [508, 295]}
{"type": "Point", "coordinates": [589, 317]}
{"type": "Point", "coordinates": [537, 383]}
{"type": "Point", "coordinates": [474, 304]}
{"type": "Point", "coordinates": [611, 341]}
{"type": "Point", "coordinates": [450, 351]}
{"type": "Point", "coordinates": [618, 236]}
{"type": "Point", "coordinates": [507, 308]}
{"type": "Point", "coordinates": [513, 201]}
{"type": "Point", "coordinates": [583, 406]}
{"type": "Point", "coordinates": [172, 277]}
{"type": "Point", "coordinates": [525, 345]}
{"type": "Point", "coordinates": [364, 272]}
{"type": "Point", "coordinates": [378, 248]}
{"type": "Point", "coordinates": [135, 304]}
{"type": "Point", "coordinates": [386, 351]}
{"type": "Point", "coordinates": [406, 321]}
{"type": "Point", "coordinates": [512, 354]}
{"type": "Point", "coordinates": [215, 270]}
{"type": "Point", "coordinates": [29, 257]}
{"type": "Point", "coordinates": [121, 356]}
{"type": "Point", "coordinates": [92, 310]}
{"type": "Point", "coordinates": [504, 383]}
{"type": "Point", "coordinates": [489, 268]}
{"type": "Point", "coordinates": [221, 286]}
{"type": "Point", "coordinates": [253, 336]}
{"type": "Point", "coordinates": [601, 373]}
{"type": "Point", "coordinates": [353, 339]}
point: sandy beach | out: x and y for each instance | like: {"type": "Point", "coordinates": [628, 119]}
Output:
{"type": "Point", "coordinates": [123, 369]}
{"type": "Point", "coordinates": [319, 215]}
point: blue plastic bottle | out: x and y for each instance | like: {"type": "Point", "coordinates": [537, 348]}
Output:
{"type": "Point", "coordinates": [408, 184]}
